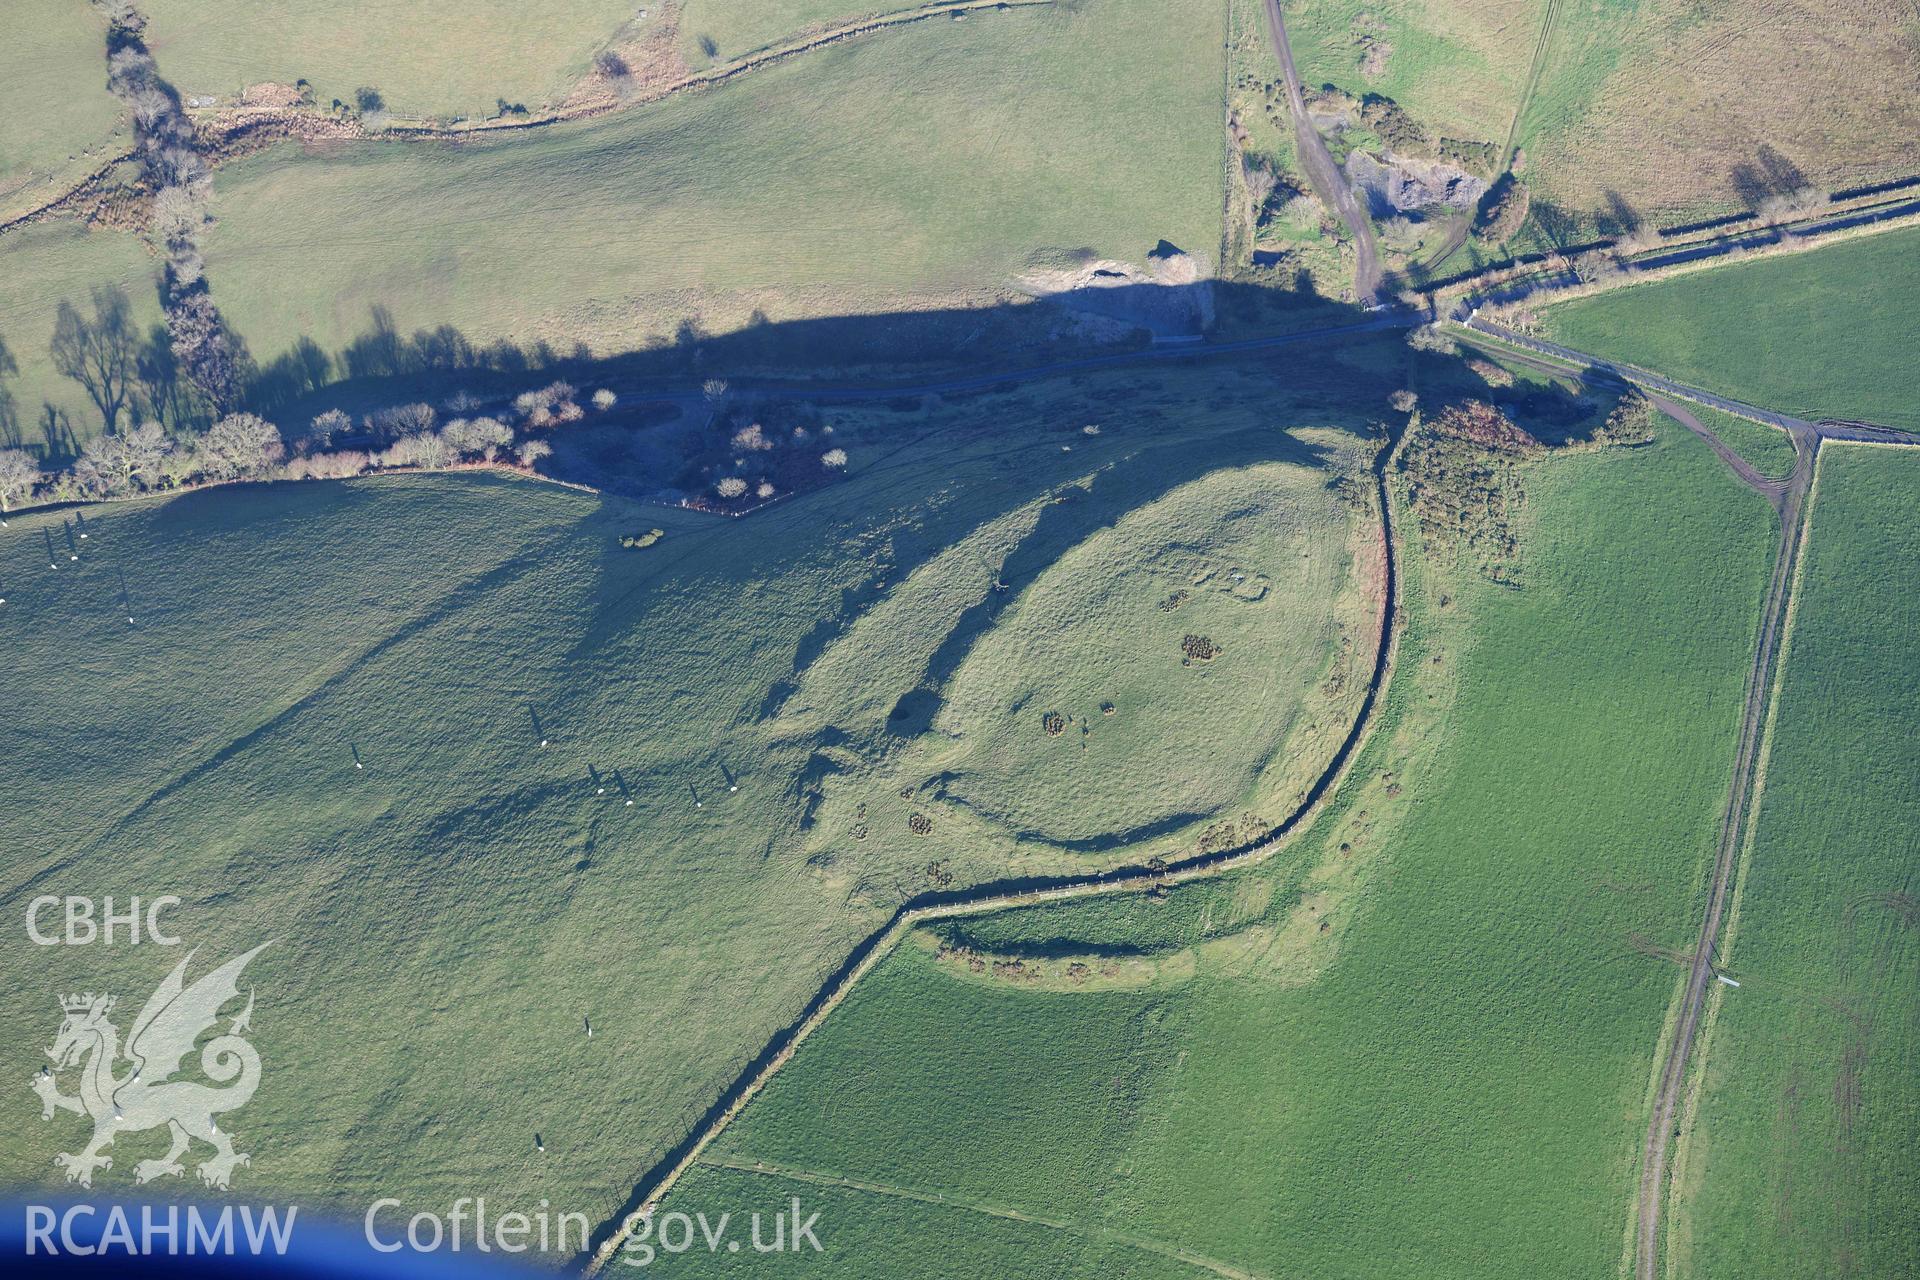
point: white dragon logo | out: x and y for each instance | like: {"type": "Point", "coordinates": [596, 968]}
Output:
{"type": "Point", "coordinates": [145, 1098]}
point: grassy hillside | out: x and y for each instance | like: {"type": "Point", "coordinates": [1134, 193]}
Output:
{"type": "Point", "coordinates": [427, 57]}
{"type": "Point", "coordinates": [1801, 1160]}
{"type": "Point", "coordinates": [917, 167]}
{"type": "Point", "coordinates": [57, 120]}
{"type": "Point", "coordinates": [1822, 333]}
{"type": "Point", "coordinates": [324, 727]}
{"type": "Point", "coordinates": [1420, 1042]}
{"type": "Point", "coordinates": [1201, 649]}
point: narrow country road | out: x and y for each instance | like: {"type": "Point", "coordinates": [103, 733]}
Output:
{"type": "Point", "coordinates": [1323, 173]}
{"type": "Point", "coordinates": [1661, 385]}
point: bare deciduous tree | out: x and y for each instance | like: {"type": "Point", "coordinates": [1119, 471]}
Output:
{"type": "Point", "coordinates": [483, 436]}
{"type": "Point", "coordinates": [19, 476]}
{"type": "Point", "coordinates": [211, 358]}
{"type": "Point", "coordinates": [330, 424]}
{"type": "Point", "coordinates": [1429, 338]}
{"type": "Point", "coordinates": [1595, 267]}
{"type": "Point", "coordinates": [240, 444]}
{"type": "Point", "coordinates": [121, 462]}
{"type": "Point", "coordinates": [1791, 206]}
{"type": "Point", "coordinates": [179, 213]}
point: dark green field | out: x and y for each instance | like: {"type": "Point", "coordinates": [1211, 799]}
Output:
{"type": "Point", "coordinates": [1826, 333]}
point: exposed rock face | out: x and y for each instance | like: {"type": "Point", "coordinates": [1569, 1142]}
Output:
{"type": "Point", "coordinates": [1403, 184]}
{"type": "Point", "coordinates": [1172, 296]}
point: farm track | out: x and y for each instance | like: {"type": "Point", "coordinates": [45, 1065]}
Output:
{"type": "Point", "coordinates": [1792, 506]}
{"type": "Point", "coordinates": [1775, 491]}
{"type": "Point", "coordinates": [998, 895]}
{"type": "Point", "coordinates": [1534, 68]}
{"type": "Point", "coordinates": [1322, 172]}
{"type": "Point", "coordinates": [1141, 1243]}
{"type": "Point", "coordinates": [1463, 224]}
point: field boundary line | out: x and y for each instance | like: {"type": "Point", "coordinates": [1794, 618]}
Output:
{"type": "Point", "coordinates": [1807, 240]}
{"type": "Point", "coordinates": [996, 896]}
{"type": "Point", "coordinates": [1086, 1231]}
{"type": "Point", "coordinates": [705, 78]}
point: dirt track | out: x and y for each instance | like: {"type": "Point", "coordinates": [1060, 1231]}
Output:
{"type": "Point", "coordinates": [1775, 491]}
{"type": "Point", "coordinates": [1790, 502]}
{"type": "Point", "coordinates": [1323, 173]}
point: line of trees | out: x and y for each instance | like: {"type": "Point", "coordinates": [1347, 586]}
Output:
{"type": "Point", "coordinates": [212, 360]}
{"type": "Point", "coordinates": [151, 458]}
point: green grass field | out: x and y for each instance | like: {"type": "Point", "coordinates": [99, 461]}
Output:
{"type": "Point", "coordinates": [1005, 139]}
{"type": "Point", "coordinates": [1825, 333]}
{"type": "Point", "coordinates": [44, 265]}
{"type": "Point", "coordinates": [1460, 69]}
{"type": "Point", "coordinates": [1419, 1041]}
{"type": "Point", "coordinates": [467, 898]}
{"type": "Point", "coordinates": [57, 120]}
{"type": "Point", "coordinates": [1800, 1162]}
{"type": "Point", "coordinates": [430, 57]}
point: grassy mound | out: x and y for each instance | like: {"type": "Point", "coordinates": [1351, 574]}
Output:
{"type": "Point", "coordinates": [1157, 669]}
{"type": "Point", "coordinates": [324, 727]}
{"type": "Point", "coordinates": [1417, 1041]}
